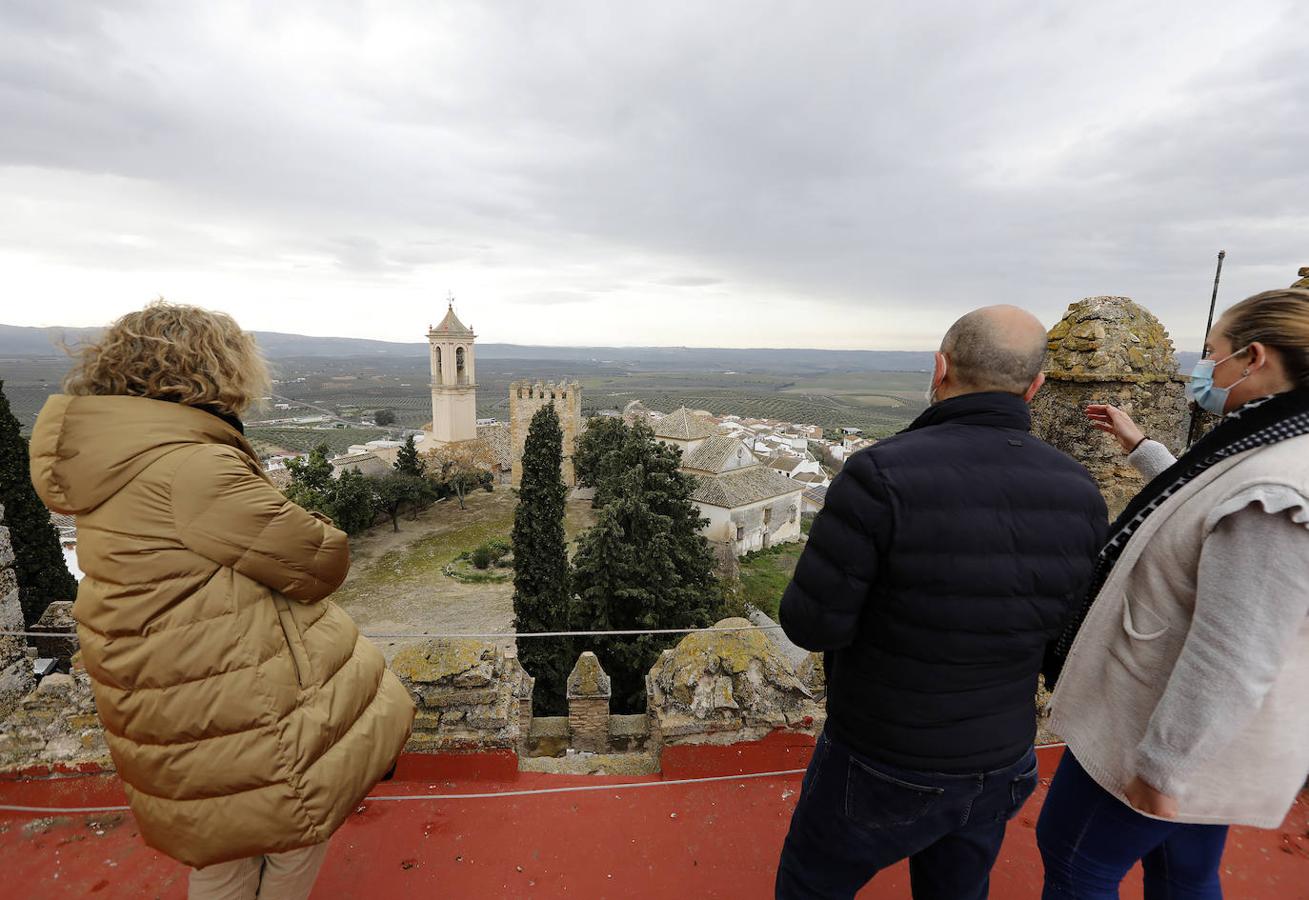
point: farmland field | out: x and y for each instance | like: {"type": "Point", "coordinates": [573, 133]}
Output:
{"type": "Point", "coordinates": [353, 388]}
{"type": "Point", "coordinates": [302, 440]}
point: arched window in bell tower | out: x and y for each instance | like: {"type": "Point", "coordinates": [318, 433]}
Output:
{"type": "Point", "coordinates": [438, 371]}
{"type": "Point", "coordinates": [461, 371]}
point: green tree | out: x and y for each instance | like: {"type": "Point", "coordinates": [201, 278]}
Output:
{"type": "Point", "coordinates": [347, 499]}
{"type": "Point", "coordinates": [541, 594]}
{"type": "Point", "coordinates": [395, 491]}
{"type": "Point", "coordinates": [461, 467]}
{"type": "Point", "coordinates": [351, 503]}
{"type": "Point", "coordinates": [384, 417]}
{"type": "Point", "coordinates": [603, 435]}
{"type": "Point", "coordinates": [38, 558]}
{"type": "Point", "coordinates": [407, 460]}
{"type": "Point", "coordinates": [644, 564]}
{"type": "Point", "coordinates": [619, 449]}
{"type": "Point", "coordinates": [311, 480]}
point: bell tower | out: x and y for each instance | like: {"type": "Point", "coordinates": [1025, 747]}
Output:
{"type": "Point", "coordinates": [454, 386]}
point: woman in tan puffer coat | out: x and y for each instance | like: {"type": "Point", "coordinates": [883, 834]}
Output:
{"type": "Point", "coordinates": [244, 712]}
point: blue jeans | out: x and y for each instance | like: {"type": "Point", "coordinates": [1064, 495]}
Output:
{"type": "Point", "coordinates": [1089, 839]}
{"type": "Point", "coordinates": [856, 816]}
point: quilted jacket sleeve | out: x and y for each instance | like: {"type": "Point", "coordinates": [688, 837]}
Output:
{"type": "Point", "coordinates": [230, 515]}
{"type": "Point", "coordinates": [822, 604]}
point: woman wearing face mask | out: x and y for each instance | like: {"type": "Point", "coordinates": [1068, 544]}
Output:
{"type": "Point", "coordinates": [1182, 697]}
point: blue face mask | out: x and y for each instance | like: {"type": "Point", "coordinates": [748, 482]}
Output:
{"type": "Point", "coordinates": [1202, 389]}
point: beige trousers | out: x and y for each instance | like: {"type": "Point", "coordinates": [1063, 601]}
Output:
{"type": "Point", "coordinates": [277, 876]}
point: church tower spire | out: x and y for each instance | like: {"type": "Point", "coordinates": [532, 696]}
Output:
{"type": "Point", "coordinates": [454, 385]}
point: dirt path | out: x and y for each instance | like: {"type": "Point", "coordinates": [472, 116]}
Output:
{"type": "Point", "coordinates": [396, 583]}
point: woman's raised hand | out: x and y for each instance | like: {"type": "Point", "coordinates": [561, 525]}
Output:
{"type": "Point", "coordinates": [1112, 420]}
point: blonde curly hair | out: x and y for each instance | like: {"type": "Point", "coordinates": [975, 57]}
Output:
{"type": "Point", "coordinates": [170, 351]}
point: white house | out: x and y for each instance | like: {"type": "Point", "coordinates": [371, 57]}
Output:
{"type": "Point", "coordinates": [749, 506]}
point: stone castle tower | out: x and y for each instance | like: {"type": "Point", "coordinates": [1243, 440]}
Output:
{"type": "Point", "coordinates": [454, 384]}
{"type": "Point", "coordinates": [525, 398]}
{"type": "Point", "coordinates": [1110, 350]}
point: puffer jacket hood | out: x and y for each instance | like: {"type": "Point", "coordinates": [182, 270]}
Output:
{"type": "Point", "coordinates": [85, 449]}
{"type": "Point", "coordinates": [244, 712]}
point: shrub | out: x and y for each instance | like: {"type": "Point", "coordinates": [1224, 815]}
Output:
{"type": "Point", "coordinates": [482, 557]}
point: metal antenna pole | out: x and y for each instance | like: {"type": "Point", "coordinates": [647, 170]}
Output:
{"type": "Point", "coordinates": [1197, 414]}
{"type": "Point", "coordinates": [1213, 301]}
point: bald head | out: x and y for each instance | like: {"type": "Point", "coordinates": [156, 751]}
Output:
{"type": "Point", "coordinates": [995, 348]}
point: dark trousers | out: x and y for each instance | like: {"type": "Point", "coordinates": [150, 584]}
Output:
{"type": "Point", "coordinates": [1089, 839]}
{"type": "Point", "coordinates": [857, 816]}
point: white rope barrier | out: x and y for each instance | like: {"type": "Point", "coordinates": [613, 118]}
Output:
{"type": "Point", "coordinates": [489, 635]}
{"type": "Point", "coordinates": [486, 795]}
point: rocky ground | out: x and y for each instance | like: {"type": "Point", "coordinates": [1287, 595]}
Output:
{"type": "Point", "coordinates": [396, 583]}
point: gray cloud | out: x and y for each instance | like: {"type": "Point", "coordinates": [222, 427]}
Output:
{"type": "Point", "coordinates": [690, 281]}
{"type": "Point", "coordinates": [894, 167]}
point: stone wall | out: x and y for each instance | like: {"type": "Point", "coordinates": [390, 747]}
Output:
{"type": "Point", "coordinates": [525, 398]}
{"type": "Point", "coordinates": [713, 687]}
{"type": "Point", "coordinates": [1110, 350]}
{"type": "Point", "coordinates": [726, 687]}
{"type": "Point", "coordinates": [469, 695]}
{"type": "Point", "coordinates": [57, 633]}
{"type": "Point", "coordinates": [588, 705]}
{"type": "Point", "coordinates": [55, 725]}
{"type": "Point", "coordinates": [16, 677]}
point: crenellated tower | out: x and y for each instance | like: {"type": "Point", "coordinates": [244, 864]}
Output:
{"type": "Point", "coordinates": [525, 398]}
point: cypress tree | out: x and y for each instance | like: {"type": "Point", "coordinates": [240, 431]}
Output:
{"type": "Point", "coordinates": [541, 563]}
{"type": "Point", "coordinates": [603, 436]}
{"type": "Point", "coordinates": [644, 564]}
{"type": "Point", "coordinates": [38, 558]}
{"type": "Point", "coordinates": [407, 460]}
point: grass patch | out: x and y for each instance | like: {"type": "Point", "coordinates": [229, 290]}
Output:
{"type": "Point", "coordinates": [426, 557]}
{"type": "Point", "coordinates": [463, 570]}
{"type": "Point", "coordinates": [488, 517]}
{"type": "Point", "coordinates": [765, 575]}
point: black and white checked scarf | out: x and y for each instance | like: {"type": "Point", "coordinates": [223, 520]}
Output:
{"type": "Point", "coordinates": [1258, 423]}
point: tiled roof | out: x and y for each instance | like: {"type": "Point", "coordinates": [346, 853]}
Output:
{"type": "Point", "coordinates": [682, 425]}
{"type": "Point", "coordinates": [61, 521]}
{"type": "Point", "coordinates": [451, 324]}
{"type": "Point", "coordinates": [281, 478]}
{"type": "Point", "coordinates": [816, 495]}
{"type": "Point", "coordinates": [713, 454]}
{"type": "Point", "coordinates": [364, 463]}
{"type": "Point", "coordinates": [784, 463]}
{"type": "Point", "coordinates": [742, 487]}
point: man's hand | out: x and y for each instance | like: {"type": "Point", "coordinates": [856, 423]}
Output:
{"type": "Point", "coordinates": [1112, 420]}
{"type": "Point", "coordinates": [1148, 800]}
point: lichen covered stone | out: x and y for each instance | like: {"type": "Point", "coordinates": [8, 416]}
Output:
{"type": "Point", "coordinates": [468, 695]}
{"type": "Point", "coordinates": [467, 663]}
{"type": "Point", "coordinates": [588, 678]}
{"type": "Point", "coordinates": [735, 682]}
{"type": "Point", "coordinates": [1110, 350]}
{"type": "Point", "coordinates": [1110, 339]}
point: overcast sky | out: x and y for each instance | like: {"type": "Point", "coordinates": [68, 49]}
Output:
{"type": "Point", "coordinates": [852, 175]}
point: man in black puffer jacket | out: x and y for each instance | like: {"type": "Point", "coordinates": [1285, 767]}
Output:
{"type": "Point", "coordinates": [946, 559]}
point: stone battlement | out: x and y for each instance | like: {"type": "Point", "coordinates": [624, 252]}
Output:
{"type": "Point", "coordinates": [525, 398]}
{"type": "Point", "coordinates": [474, 696]}
{"type": "Point", "coordinates": [544, 390]}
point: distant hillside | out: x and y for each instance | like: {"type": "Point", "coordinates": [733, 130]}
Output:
{"type": "Point", "coordinates": [18, 341]}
